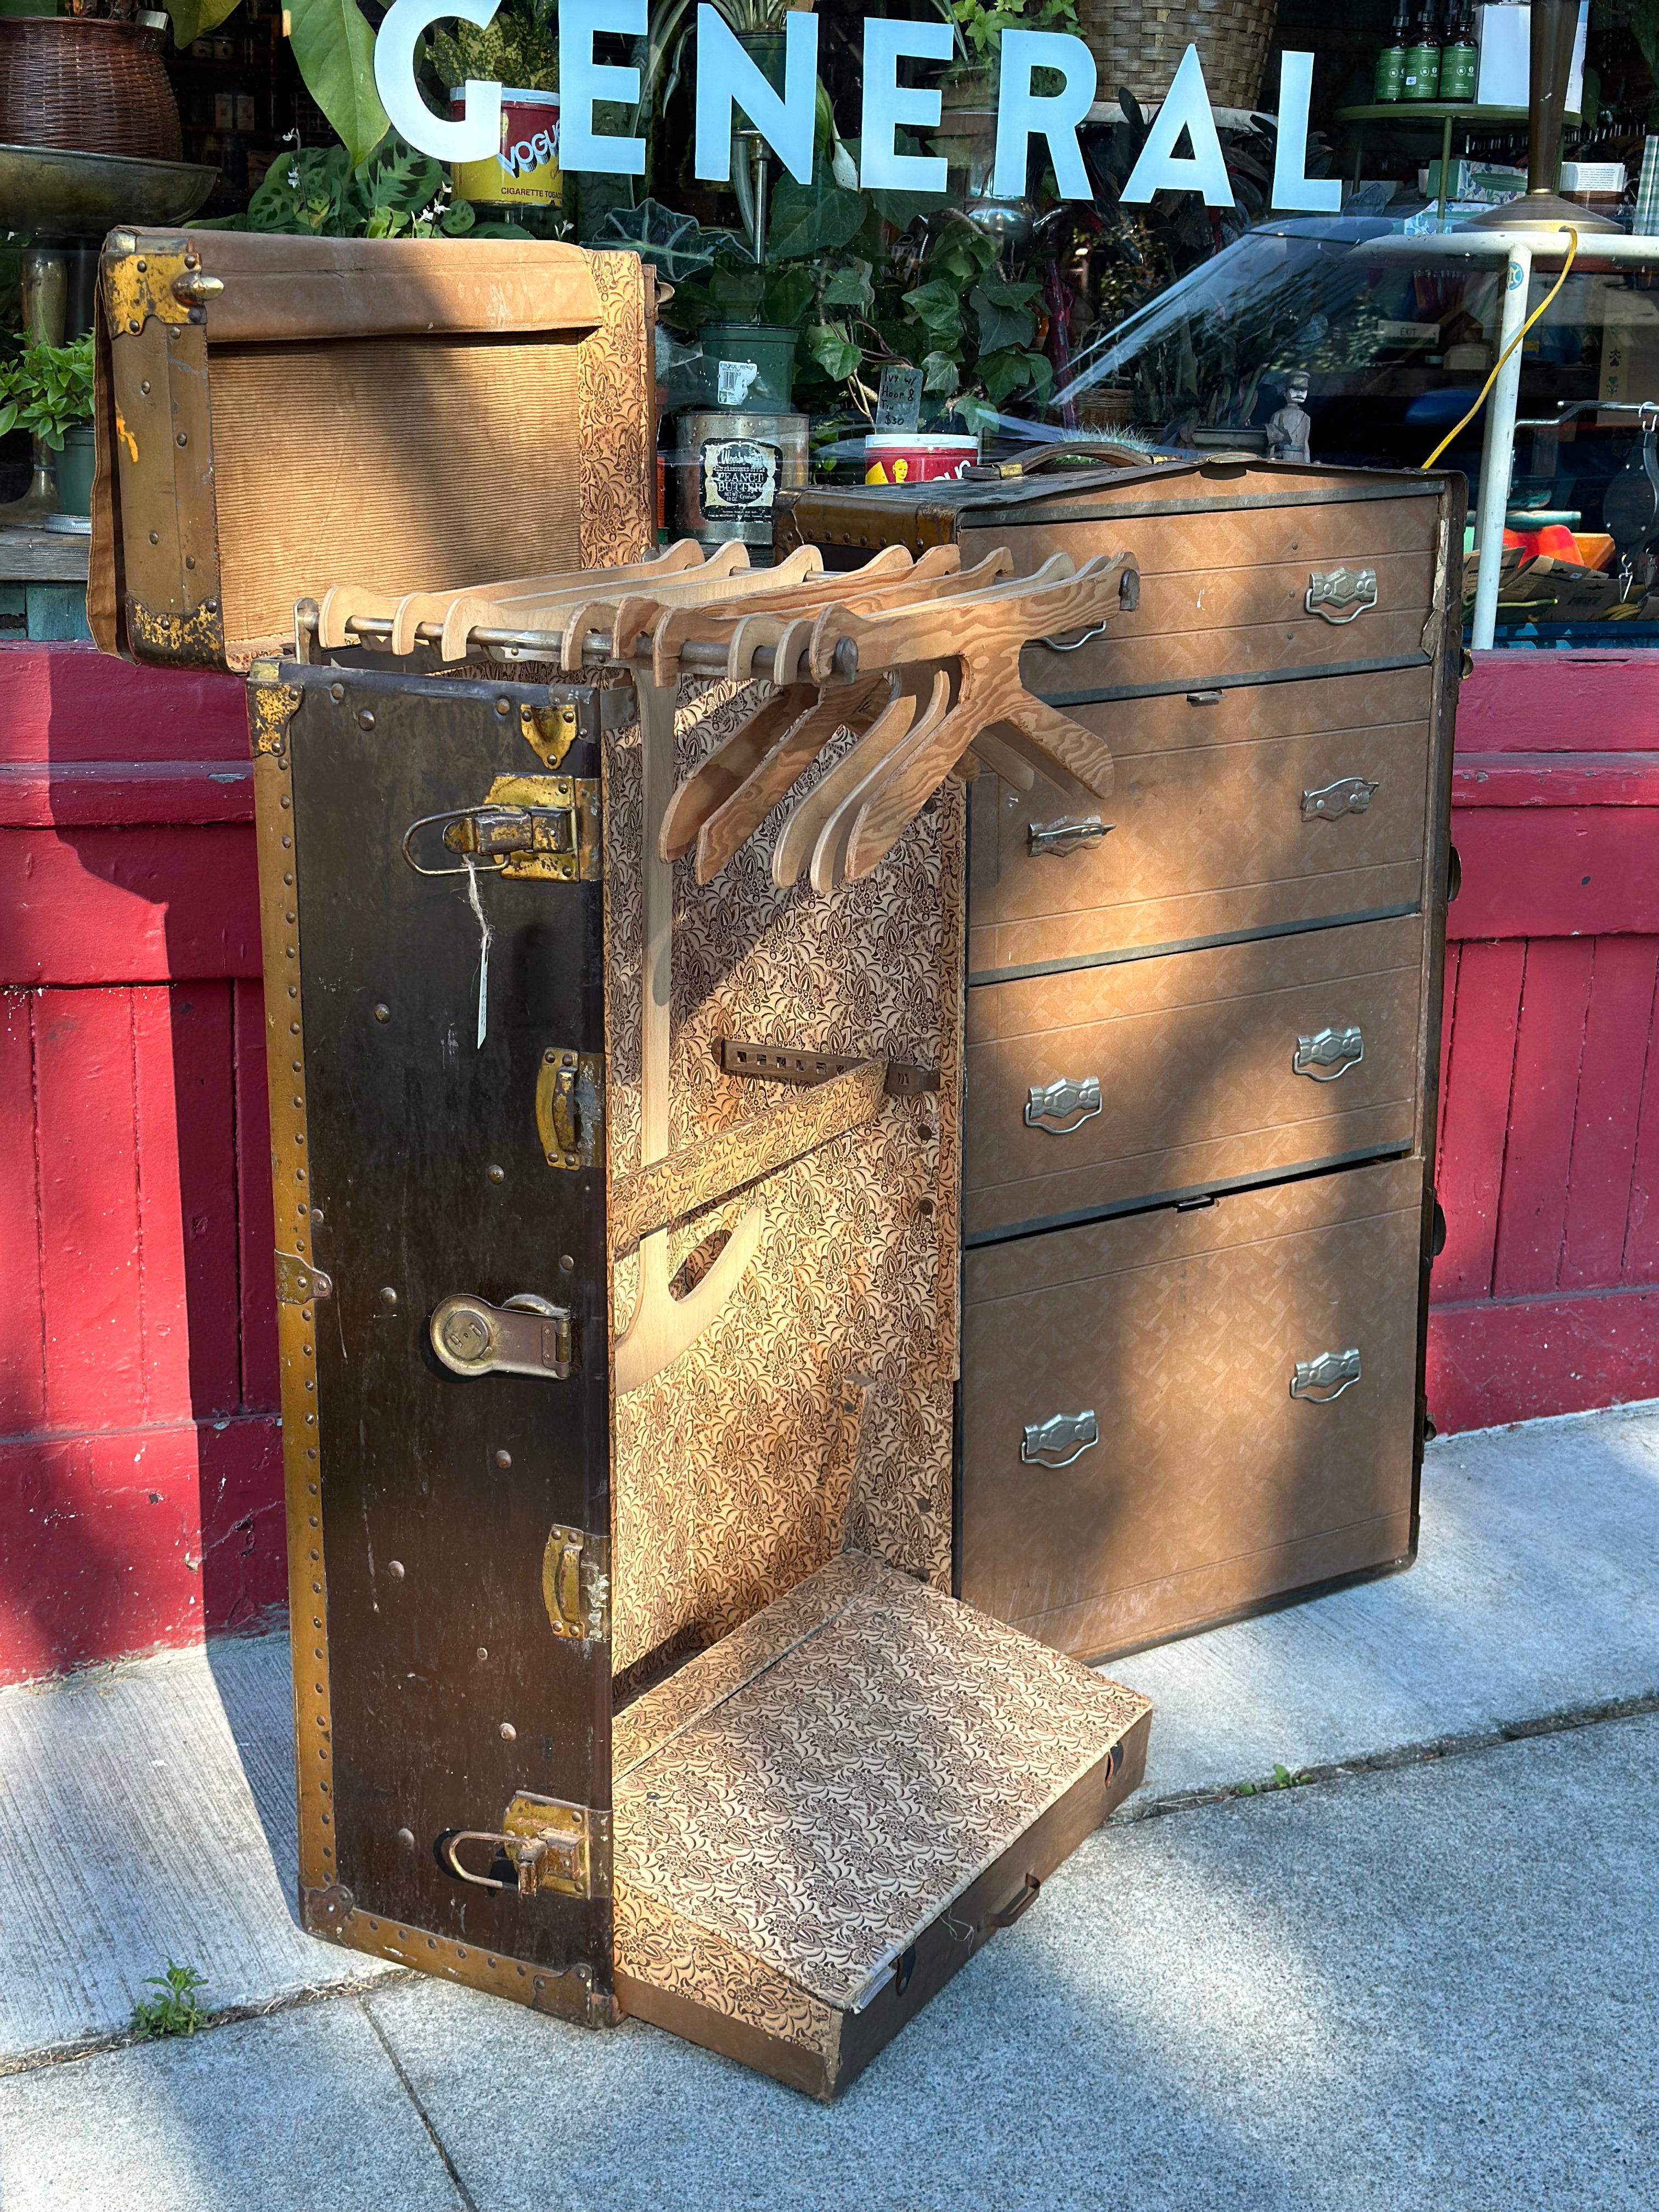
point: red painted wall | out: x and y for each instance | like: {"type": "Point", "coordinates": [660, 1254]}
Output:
{"type": "Point", "coordinates": [1547, 1295]}
{"type": "Point", "coordinates": [139, 1446]}
{"type": "Point", "coordinates": [140, 1479]}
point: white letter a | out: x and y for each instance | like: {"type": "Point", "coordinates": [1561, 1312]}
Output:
{"type": "Point", "coordinates": [1186, 108]}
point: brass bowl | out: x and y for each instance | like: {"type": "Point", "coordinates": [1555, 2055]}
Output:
{"type": "Point", "coordinates": [66, 199]}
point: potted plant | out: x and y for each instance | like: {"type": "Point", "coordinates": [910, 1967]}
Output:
{"type": "Point", "coordinates": [47, 389]}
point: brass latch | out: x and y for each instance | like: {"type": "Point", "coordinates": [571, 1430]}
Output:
{"type": "Point", "coordinates": [552, 1848]}
{"type": "Point", "coordinates": [570, 1108]}
{"type": "Point", "coordinates": [527, 1335]}
{"type": "Point", "coordinates": [576, 1584]}
{"type": "Point", "coordinates": [542, 828]}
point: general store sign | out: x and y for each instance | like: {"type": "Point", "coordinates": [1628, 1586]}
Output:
{"type": "Point", "coordinates": [727, 78]}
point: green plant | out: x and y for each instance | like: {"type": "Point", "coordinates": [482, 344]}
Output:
{"type": "Point", "coordinates": [981, 28]}
{"type": "Point", "coordinates": [396, 193]}
{"type": "Point", "coordinates": [514, 50]}
{"type": "Point", "coordinates": [47, 389]}
{"type": "Point", "coordinates": [173, 2010]}
{"type": "Point", "coordinates": [333, 50]}
{"type": "Point", "coordinates": [1284, 1778]}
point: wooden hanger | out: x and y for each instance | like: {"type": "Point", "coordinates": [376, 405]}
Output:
{"type": "Point", "coordinates": [987, 635]}
{"type": "Point", "coordinates": [661, 1326]}
{"type": "Point", "coordinates": [342, 604]}
{"type": "Point", "coordinates": [758, 764]}
{"type": "Point", "coordinates": [794, 847]}
{"type": "Point", "coordinates": [790, 640]}
{"type": "Point", "coordinates": [624, 618]}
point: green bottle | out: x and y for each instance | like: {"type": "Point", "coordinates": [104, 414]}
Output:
{"type": "Point", "coordinates": [1422, 78]}
{"type": "Point", "coordinates": [1458, 58]}
{"type": "Point", "coordinates": [1391, 62]}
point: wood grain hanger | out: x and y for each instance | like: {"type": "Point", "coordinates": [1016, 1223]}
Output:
{"type": "Point", "coordinates": [986, 635]}
{"type": "Point", "coordinates": [615, 617]}
{"type": "Point", "coordinates": [725, 800]}
{"type": "Point", "coordinates": [344, 604]}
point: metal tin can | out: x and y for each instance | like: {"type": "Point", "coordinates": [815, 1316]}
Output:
{"type": "Point", "coordinates": [728, 468]}
{"type": "Point", "coordinates": [526, 173]}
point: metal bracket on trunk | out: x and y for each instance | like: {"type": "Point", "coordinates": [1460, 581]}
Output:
{"type": "Point", "coordinates": [779, 1063]}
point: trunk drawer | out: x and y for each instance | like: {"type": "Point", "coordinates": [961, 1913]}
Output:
{"type": "Point", "coordinates": [1191, 1070]}
{"type": "Point", "coordinates": [1175, 1338]}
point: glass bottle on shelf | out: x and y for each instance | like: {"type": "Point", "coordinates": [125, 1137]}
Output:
{"type": "Point", "coordinates": [1458, 56]}
{"type": "Point", "coordinates": [1391, 62]}
{"type": "Point", "coordinates": [1422, 78]}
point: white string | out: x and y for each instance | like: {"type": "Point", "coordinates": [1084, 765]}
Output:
{"type": "Point", "coordinates": [486, 935]}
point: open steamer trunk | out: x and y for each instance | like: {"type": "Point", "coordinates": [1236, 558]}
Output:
{"type": "Point", "coordinates": [619, 1225]}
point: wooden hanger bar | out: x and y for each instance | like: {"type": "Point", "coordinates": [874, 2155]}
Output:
{"type": "Point", "coordinates": [603, 628]}
{"type": "Point", "coordinates": [348, 607]}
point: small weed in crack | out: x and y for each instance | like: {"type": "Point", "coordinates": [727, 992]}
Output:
{"type": "Point", "coordinates": [173, 2009]}
{"type": "Point", "coordinates": [1283, 1779]}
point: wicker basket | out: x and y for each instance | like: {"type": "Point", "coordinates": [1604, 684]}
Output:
{"type": "Point", "coordinates": [1140, 45]}
{"type": "Point", "coordinates": [87, 84]}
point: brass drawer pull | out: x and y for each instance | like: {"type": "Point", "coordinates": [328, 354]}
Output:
{"type": "Point", "coordinates": [1328, 1053]}
{"type": "Point", "coordinates": [1062, 1439]}
{"type": "Point", "coordinates": [527, 1335]}
{"type": "Point", "coordinates": [1321, 1380]}
{"type": "Point", "coordinates": [1066, 835]}
{"type": "Point", "coordinates": [1065, 1101]}
{"type": "Point", "coordinates": [1352, 589]}
{"type": "Point", "coordinates": [1350, 794]}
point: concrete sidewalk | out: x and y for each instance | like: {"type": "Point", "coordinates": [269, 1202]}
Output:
{"type": "Point", "coordinates": [1428, 1979]}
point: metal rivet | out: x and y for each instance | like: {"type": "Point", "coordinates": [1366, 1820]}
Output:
{"type": "Point", "coordinates": [212, 605]}
{"type": "Point", "coordinates": [496, 1174]}
{"type": "Point", "coordinates": [144, 388]}
{"type": "Point", "coordinates": [190, 560]}
{"type": "Point", "coordinates": [388, 1296]}
{"type": "Point", "coordinates": [337, 692]}
{"type": "Point", "coordinates": [926, 1208]}
{"type": "Point", "coordinates": [383, 1013]}
{"type": "Point", "coordinates": [509, 1732]}
{"type": "Point", "coordinates": [406, 1838]}
{"type": "Point", "coordinates": [483, 1654]}
{"type": "Point", "coordinates": [503, 1458]}
{"type": "Point", "coordinates": [365, 719]}
{"type": "Point", "coordinates": [287, 877]}
{"type": "Point", "coordinates": [154, 537]}
{"type": "Point", "coordinates": [567, 1261]}
{"type": "Point", "coordinates": [288, 844]}
{"type": "Point", "coordinates": [395, 1569]}
{"type": "Point", "coordinates": [316, 1212]}
{"type": "Point", "coordinates": [294, 1028]}
{"type": "Point", "coordinates": [503, 706]}
{"type": "Point", "coordinates": [183, 438]}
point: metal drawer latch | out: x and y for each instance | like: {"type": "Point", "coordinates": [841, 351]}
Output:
{"type": "Point", "coordinates": [1328, 1053]}
{"type": "Point", "coordinates": [1327, 1377]}
{"type": "Point", "coordinates": [527, 1335]}
{"type": "Point", "coordinates": [1350, 794]}
{"type": "Point", "coordinates": [1341, 595]}
{"type": "Point", "coordinates": [1065, 1101]}
{"type": "Point", "coordinates": [1062, 1439]}
{"type": "Point", "coordinates": [551, 1846]}
{"type": "Point", "coordinates": [1066, 835]}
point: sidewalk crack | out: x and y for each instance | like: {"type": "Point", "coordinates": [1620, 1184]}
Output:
{"type": "Point", "coordinates": [413, 2095]}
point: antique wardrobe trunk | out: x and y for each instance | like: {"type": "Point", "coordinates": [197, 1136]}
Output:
{"type": "Point", "coordinates": [627, 1672]}
{"type": "Point", "coordinates": [1202, 1052]}
{"type": "Point", "coordinates": [277, 412]}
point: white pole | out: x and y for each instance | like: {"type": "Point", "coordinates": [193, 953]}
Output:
{"type": "Point", "coordinates": [1498, 455]}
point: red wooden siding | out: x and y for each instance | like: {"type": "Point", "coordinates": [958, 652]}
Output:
{"type": "Point", "coordinates": [1547, 1294]}
{"type": "Point", "coordinates": [139, 1446]}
